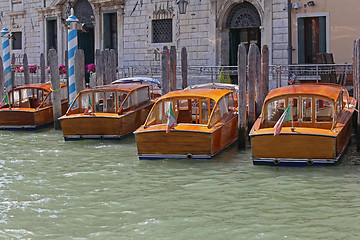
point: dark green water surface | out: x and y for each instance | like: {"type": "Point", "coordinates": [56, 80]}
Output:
{"type": "Point", "coordinates": [51, 189]}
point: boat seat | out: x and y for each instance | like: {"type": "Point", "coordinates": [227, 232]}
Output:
{"type": "Point", "coordinates": [184, 116]}
{"type": "Point", "coordinates": [25, 104]}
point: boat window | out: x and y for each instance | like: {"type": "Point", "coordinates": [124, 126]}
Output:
{"type": "Point", "coordinates": [338, 108]}
{"type": "Point", "coordinates": [16, 98]}
{"type": "Point", "coordinates": [25, 95]}
{"type": "Point", "coordinates": [76, 104]}
{"type": "Point", "coordinates": [216, 116]}
{"type": "Point", "coordinates": [324, 110]}
{"type": "Point", "coordinates": [230, 101]}
{"type": "Point", "coordinates": [48, 100]}
{"type": "Point", "coordinates": [224, 109]}
{"type": "Point", "coordinates": [306, 109]}
{"type": "Point", "coordinates": [295, 107]}
{"type": "Point", "coordinates": [121, 98]}
{"type": "Point", "coordinates": [204, 111]}
{"type": "Point", "coordinates": [183, 104]}
{"type": "Point", "coordinates": [40, 94]}
{"type": "Point", "coordinates": [139, 96]}
{"type": "Point", "coordinates": [99, 101]}
{"type": "Point", "coordinates": [127, 102]}
{"type": "Point", "coordinates": [110, 102]}
{"type": "Point", "coordinates": [86, 100]}
{"type": "Point", "coordinates": [25, 103]}
{"type": "Point", "coordinates": [275, 109]}
{"type": "Point", "coordinates": [166, 107]}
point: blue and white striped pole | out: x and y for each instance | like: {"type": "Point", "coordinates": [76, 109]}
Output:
{"type": "Point", "coordinates": [6, 58]}
{"type": "Point", "coordinates": [72, 46]}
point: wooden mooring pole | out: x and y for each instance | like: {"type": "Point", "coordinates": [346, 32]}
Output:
{"type": "Point", "coordinates": [99, 63]}
{"type": "Point", "coordinates": [356, 79]}
{"type": "Point", "coordinates": [165, 70]}
{"type": "Point", "coordinates": [26, 69]}
{"type": "Point", "coordinates": [242, 96]}
{"type": "Point", "coordinates": [173, 68]}
{"type": "Point", "coordinates": [42, 68]}
{"type": "Point", "coordinates": [264, 75]}
{"type": "Point", "coordinates": [251, 85]}
{"type": "Point", "coordinates": [184, 68]}
{"type": "Point", "coordinates": [55, 86]}
{"type": "Point", "coordinates": [79, 70]}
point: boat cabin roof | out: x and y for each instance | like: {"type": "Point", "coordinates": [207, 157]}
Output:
{"type": "Point", "coordinates": [45, 86]}
{"type": "Point", "coordinates": [215, 94]}
{"type": "Point", "coordinates": [328, 90]}
{"type": "Point", "coordinates": [124, 87]}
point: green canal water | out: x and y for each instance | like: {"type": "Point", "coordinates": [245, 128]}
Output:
{"type": "Point", "coordinates": [51, 189]}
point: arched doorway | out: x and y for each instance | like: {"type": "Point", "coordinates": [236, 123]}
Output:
{"type": "Point", "coordinates": [244, 24]}
{"type": "Point", "coordinates": [86, 41]}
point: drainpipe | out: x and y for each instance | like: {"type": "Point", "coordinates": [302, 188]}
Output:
{"type": "Point", "coordinates": [289, 33]}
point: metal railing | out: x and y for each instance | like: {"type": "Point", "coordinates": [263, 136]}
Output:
{"type": "Point", "coordinates": [278, 74]}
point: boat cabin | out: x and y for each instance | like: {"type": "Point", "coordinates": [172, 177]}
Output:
{"type": "Point", "coordinates": [119, 98]}
{"type": "Point", "coordinates": [192, 108]}
{"type": "Point", "coordinates": [309, 108]}
{"type": "Point", "coordinates": [34, 96]}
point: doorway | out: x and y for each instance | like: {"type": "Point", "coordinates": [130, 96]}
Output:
{"type": "Point", "coordinates": [86, 42]}
{"type": "Point", "coordinates": [244, 36]}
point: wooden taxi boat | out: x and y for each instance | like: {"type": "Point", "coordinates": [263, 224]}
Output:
{"type": "Point", "coordinates": [30, 106]}
{"type": "Point", "coordinates": [317, 133]}
{"type": "Point", "coordinates": [107, 112]}
{"type": "Point", "coordinates": [206, 122]}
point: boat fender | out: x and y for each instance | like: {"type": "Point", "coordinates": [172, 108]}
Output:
{"type": "Point", "coordinates": [309, 162]}
{"type": "Point", "coordinates": [189, 156]}
{"type": "Point", "coordinates": [276, 162]}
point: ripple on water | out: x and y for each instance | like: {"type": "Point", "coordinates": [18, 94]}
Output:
{"type": "Point", "coordinates": [52, 189]}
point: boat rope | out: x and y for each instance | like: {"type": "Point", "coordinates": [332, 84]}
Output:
{"type": "Point", "coordinates": [56, 89]}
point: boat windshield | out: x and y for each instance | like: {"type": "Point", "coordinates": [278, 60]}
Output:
{"type": "Point", "coordinates": [302, 109]}
{"type": "Point", "coordinates": [324, 110]}
{"type": "Point", "coordinates": [31, 97]}
{"type": "Point", "coordinates": [111, 101]}
{"type": "Point", "coordinates": [189, 110]}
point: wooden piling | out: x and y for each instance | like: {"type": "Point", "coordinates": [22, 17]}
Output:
{"type": "Point", "coordinates": [2, 79]}
{"type": "Point", "coordinates": [99, 63]}
{"type": "Point", "coordinates": [251, 85]}
{"type": "Point", "coordinates": [107, 69]}
{"type": "Point", "coordinates": [264, 75]}
{"type": "Point", "coordinates": [42, 68]}
{"type": "Point", "coordinates": [112, 65]}
{"type": "Point", "coordinates": [14, 80]}
{"type": "Point", "coordinates": [79, 70]}
{"type": "Point", "coordinates": [55, 86]}
{"type": "Point", "coordinates": [258, 104]}
{"type": "Point", "coordinates": [357, 80]}
{"type": "Point", "coordinates": [184, 68]}
{"type": "Point", "coordinates": [242, 96]}
{"type": "Point", "coordinates": [26, 69]}
{"type": "Point", "coordinates": [165, 70]}
{"type": "Point", "coordinates": [173, 68]}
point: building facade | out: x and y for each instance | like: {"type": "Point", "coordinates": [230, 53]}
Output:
{"type": "Point", "coordinates": [210, 30]}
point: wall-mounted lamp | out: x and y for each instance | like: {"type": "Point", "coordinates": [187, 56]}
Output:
{"type": "Point", "coordinates": [182, 4]}
{"type": "Point", "coordinates": [310, 3]}
{"type": "Point", "coordinates": [296, 5]}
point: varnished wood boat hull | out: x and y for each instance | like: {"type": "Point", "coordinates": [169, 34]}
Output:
{"type": "Point", "coordinates": [299, 149]}
{"type": "Point", "coordinates": [102, 126]}
{"type": "Point", "coordinates": [182, 143]}
{"type": "Point", "coordinates": [27, 119]}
